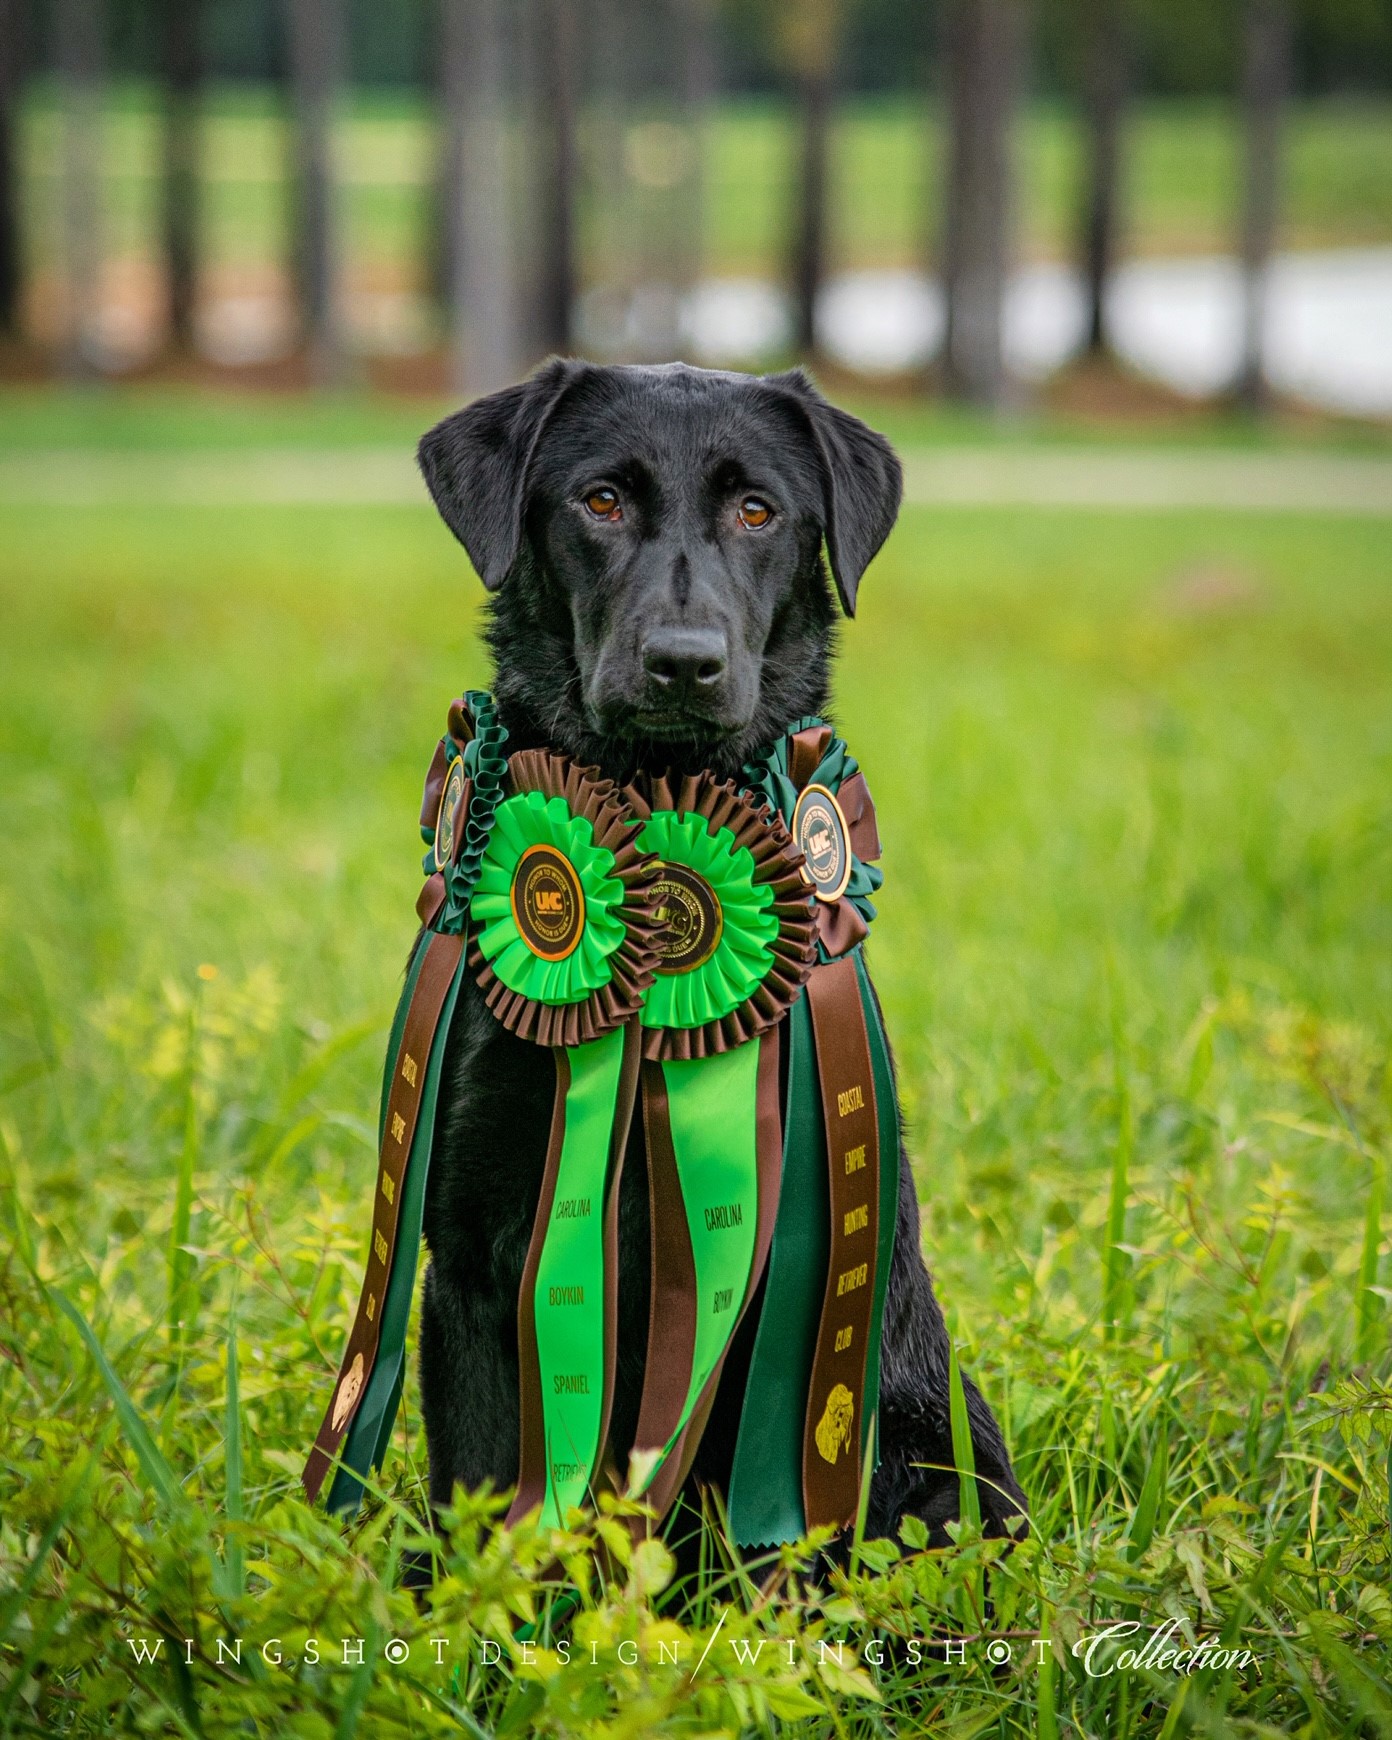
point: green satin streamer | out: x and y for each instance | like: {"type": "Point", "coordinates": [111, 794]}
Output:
{"type": "Point", "coordinates": [712, 1106]}
{"type": "Point", "coordinates": [765, 1497]}
{"type": "Point", "coordinates": [569, 1296]}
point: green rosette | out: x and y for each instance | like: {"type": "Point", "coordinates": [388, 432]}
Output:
{"type": "Point", "coordinates": [737, 936]}
{"type": "Point", "coordinates": [562, 920]}
{"type": "Point", "coordinates": [736, 957]}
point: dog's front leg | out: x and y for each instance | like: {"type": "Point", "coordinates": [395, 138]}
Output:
{"type": "Point", "coordinates": [468, 1368]}
{"type": "Point", "coordinates": [497, 1095]}
{"type": "Point", "coordinates": [917, 1473]}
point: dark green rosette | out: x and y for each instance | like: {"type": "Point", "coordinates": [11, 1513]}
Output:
{"type": "Point", "coordinates": [809, 758]}
{"type": "Point", "coordinates": [462, 791]}
{"type": "Point", "coordinates": [562, 922]}
{"type": "Point", "coordinates": [738, 933]}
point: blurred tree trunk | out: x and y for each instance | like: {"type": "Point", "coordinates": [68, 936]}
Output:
{"type": "Point", "coordinates": [560, 61]}
{"type": "Point", "coordinates": [486, 325]}
{"type": "Point", "coordinates": [1104, 96]}
{"type": "Point", "coordinates": [182, 48]}
{"type": "Point", "coordinates": [79, 45]}
{"type": "Point", "coordinates": [984, 43]}
{"type": "Point", "coordinates": [696, 95]}
{"type": "Point", "coordinates": [12, 45]}
{"type": "Point", "coordinates": [316, 43]}
{"type": "Point", "coordinates": [1266, 68]}
{"type": "Point", "coordinates": [451, 47]}
{"type": "Point", "coordinates": [812, 34]}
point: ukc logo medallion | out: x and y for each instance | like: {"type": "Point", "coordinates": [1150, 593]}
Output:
{"type": "Point", "coordinates": [691, 920]}
{"type": "Point", "coordinates": [820, 830]}
{"type": "Point", "coordinates": [548, 903]}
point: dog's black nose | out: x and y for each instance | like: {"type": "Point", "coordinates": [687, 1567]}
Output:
{"type": "Point", "coordinates": [685, 658]}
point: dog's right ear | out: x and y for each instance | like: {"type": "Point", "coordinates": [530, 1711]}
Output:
{"type": "Point", "coordinates": [476, 465]}
{"type": "Point", "coordinates": [862, 482]}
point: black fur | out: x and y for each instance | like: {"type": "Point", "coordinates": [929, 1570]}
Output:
{"type": "Point", "coordinates": [671, 635]}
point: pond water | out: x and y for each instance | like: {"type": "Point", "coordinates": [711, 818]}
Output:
{"type": "Point", "coordinates": [1329, 323]}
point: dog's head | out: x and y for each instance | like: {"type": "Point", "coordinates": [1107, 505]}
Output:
{"type": "Point", "coordinates": [653, 538]}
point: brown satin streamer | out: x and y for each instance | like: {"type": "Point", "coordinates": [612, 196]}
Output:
{"type": "Point", "coordinates": [398, 1131]}
{"type": "Point", "coordinates": [831, 1453]}
{"type": "Point", "coordinates": [531, 1459]}
{"type": "Point", "coordinates": [805, 751]}
{"type": "Point", "coordinates": [461, 731]}
{"type": "Point", "coordinates": [672, 1301]}
{"type": "Point", "coordinates": [672, 1316]}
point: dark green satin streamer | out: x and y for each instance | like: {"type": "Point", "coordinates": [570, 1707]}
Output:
{"type": "Point", "coordinates": [370, 1432]}
{"type": "Point", "coordinates": [765, 1498]}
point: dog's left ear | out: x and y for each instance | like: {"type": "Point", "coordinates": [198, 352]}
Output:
{"type": "Point", "coordinates": [476, 462]}
{"type": "Point", "coordinates": [862, 482]}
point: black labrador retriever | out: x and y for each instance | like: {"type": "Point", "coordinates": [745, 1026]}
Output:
{"type": "Point", "coordinates": [652, 541]}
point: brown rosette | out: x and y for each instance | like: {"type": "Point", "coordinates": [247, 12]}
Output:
{"type": "Point", "coordinates": [634, 962]}
{"type": "Point", "coordinates": [777, 865]}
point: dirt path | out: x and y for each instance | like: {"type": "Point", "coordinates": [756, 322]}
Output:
{"type": "Point", "coordinates": [1134, 479]}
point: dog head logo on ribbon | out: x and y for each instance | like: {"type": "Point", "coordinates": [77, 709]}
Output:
{"type": "Point", "coordinates": [833, 1431]}
{"type": "Point", "coordinates": [348, 1392]}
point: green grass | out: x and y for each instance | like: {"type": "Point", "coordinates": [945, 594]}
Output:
{"type": "Point", "coordinates": [1182, 167]}
{"type": "Point", "coordinates": [1135, 948]}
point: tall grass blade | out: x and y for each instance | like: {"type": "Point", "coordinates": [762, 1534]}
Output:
{"type": "Point", "coordinates": [360, 1685]}
{"type": "Point", "coordinates": [158, 1474]}
{"type": "Point", "coordinates": [1175, 1711]}
{"type": "Point", "coordinates": [232, 1455]}
{"type": "Point", "coordinates": [1142, 1530]}
{"type": "Point", "coordinates": [963, 1454]}
{"type": "Point", "coordinates": [1045, 1709]}
{"type": "Point", "coordinates": [1116, 1264]}
{"type": "Point", "coordinates": [1369, 1304]}
{"type": "Point", "coordinates": [867, 1469]}
{"type": "Point", "coordinates": [180, 1262]}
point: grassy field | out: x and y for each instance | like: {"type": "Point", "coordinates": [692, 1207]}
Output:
{"type": "Point", "coordinates": [1181, 176]}
{"type": "Point", "coordinates": [1135, 947]}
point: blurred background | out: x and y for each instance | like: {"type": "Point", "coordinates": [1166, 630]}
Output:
{"type": "Point", "coordinates": [985, 198]}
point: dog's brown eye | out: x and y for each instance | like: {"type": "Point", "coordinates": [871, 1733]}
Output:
{"type": "Point", "coordinates": [754, 512]}
{"type": "Point", "coordinates": [603, 503]}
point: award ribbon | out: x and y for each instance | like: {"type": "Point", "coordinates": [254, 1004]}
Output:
{"type": "Point", "coordinates": [661, 942]}
{"type": "Point", "coordinates": [461, 793]}
{"type": "Point", "coordinates": [563, 948]}
{"type": "Point", "coordinates": [813, 1385]}
{"type": "Point", "coordinates": [365, 1393]}
{"type": "Point", "coordinates": [836, 1413]}
{"type": "Point", "coordinates": [568, 1305]}
{"type": "Point", "coordinates": [737, 943]}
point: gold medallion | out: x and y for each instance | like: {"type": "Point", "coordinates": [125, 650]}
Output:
{"type": "Point", "coordinates": [449, 823]}
{"type": "Point", "coordinates": [691, 920]}
{"type": "Point", "coordinates": [821, 832]}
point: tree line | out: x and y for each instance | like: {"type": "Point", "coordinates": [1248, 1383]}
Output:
{"type": "Point", "coordinates": [504, 70]}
